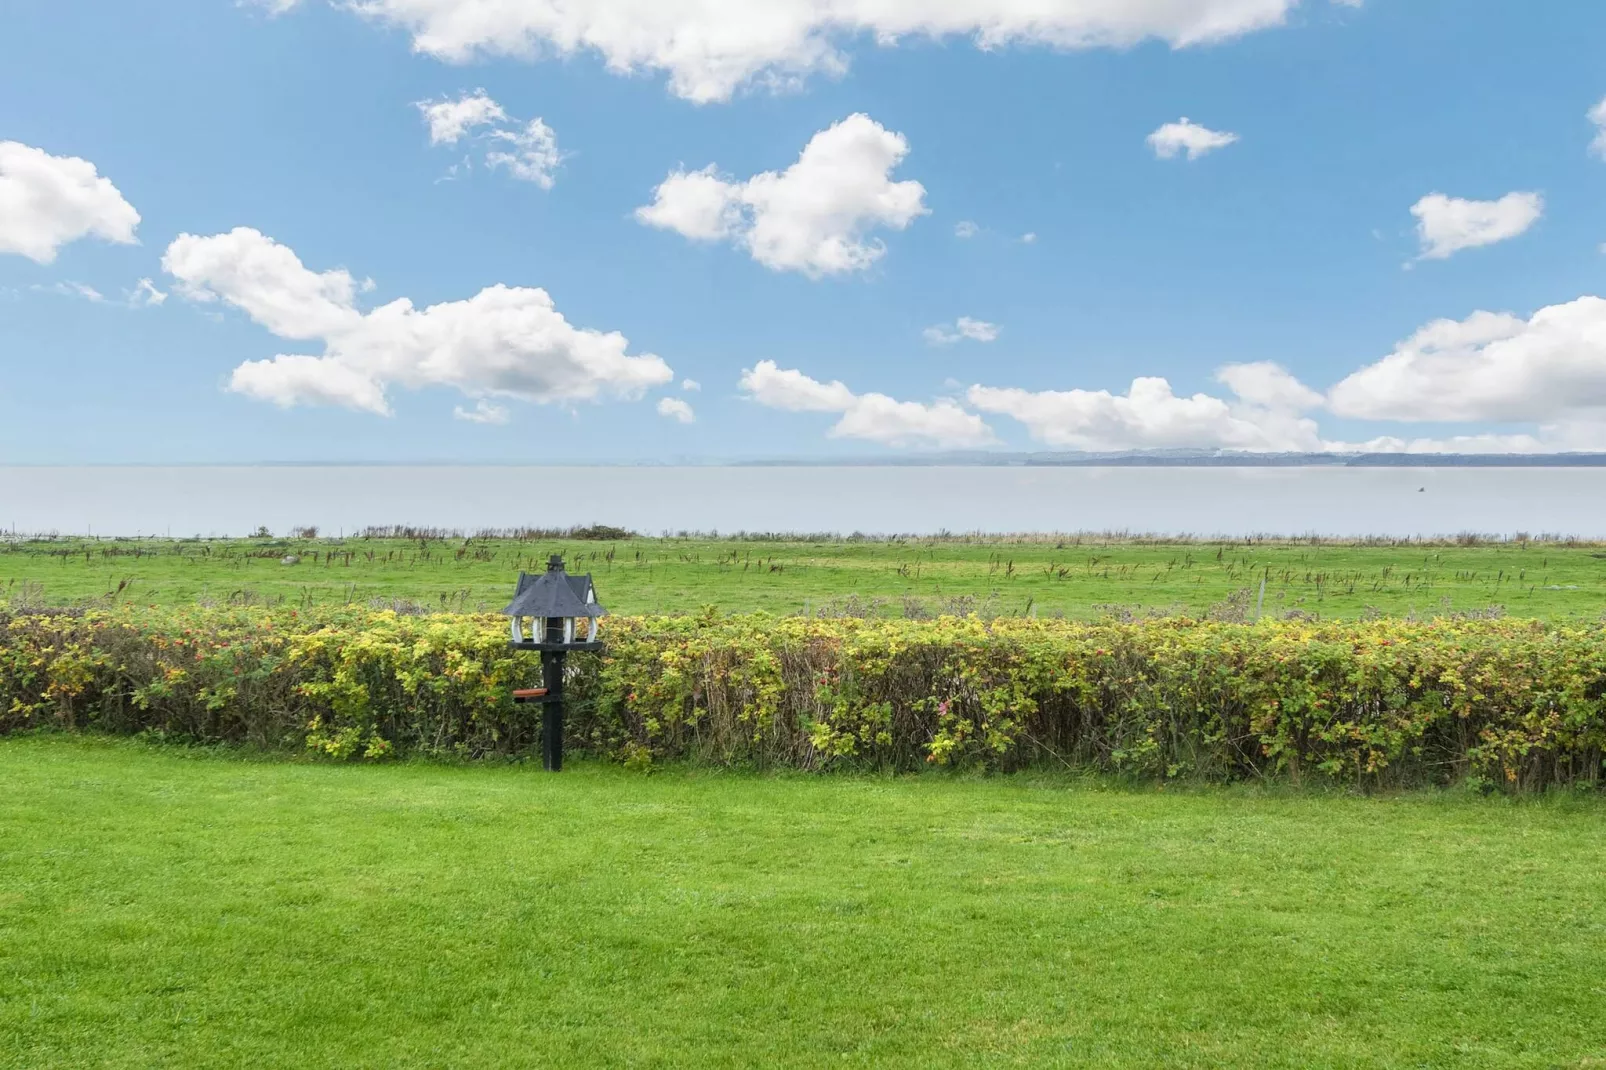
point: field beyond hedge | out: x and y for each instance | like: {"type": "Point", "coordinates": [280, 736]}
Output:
{"type": "Point", "coordinates": [1507, 704]}
{"type": "Point", "coordinates": [1080, 576]}
{"type": "Point", "coordinates": [159, 908]}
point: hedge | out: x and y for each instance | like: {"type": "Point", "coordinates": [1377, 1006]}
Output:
{"type": "Point", "coordinates": [1509, 702]}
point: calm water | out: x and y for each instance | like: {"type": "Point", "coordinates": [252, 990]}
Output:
{"type": "Point", "coordinates": [1203, 501]}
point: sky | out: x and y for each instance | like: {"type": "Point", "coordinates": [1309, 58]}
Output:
{"type": "Point", "coordinates": [673, 230]}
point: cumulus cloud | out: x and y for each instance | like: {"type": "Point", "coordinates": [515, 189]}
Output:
{"type": "Point", "coordinates": [1184, 136]}
{"type": "Point", "coordinates": [1549, 369]}
{"type": "Point", "coordinates": [676, 409]}
{"type": "Point", "coordinates": [290, 380]}
{"type": "Point", "coordinates": [530, 154]}
{"type": "Point", "coordinates": [1446, 225]}
{"type": "Point", "coordinates": [504, 342]}
{"type": "Point", "coordinates": [871, 417]}
{"type": "Point", "coordinates": [813, 216]}
{"type": "Point", "coordinates": [964, 327]}
{"type": "Point", "coordinates": [1265, 408]}
{"type": "Point", "coordinates": [789, 389]}
{"type": "Point", "coordinates": [1490, 443]}
{"type": "Point", "coordinates": [527, 150]}
{"type": "Point", "coordinates": [1597, 115]}
{"type": "Point", "coordinates": [1268, 386]}
{"type": "Point", "coordinates": [1266, 414]}
{"type": "Point", "coordinates": [690, 385]}
{"type": "Point", "coordinates": [483, 412]}
{"type": "Point", "coordinates": [711, 48]}
{"type": "Point", "coordinates": [1546, 374]}
{"type": "Point", "coordinates": [145, 294]}
{"type": "Point", "coordinates": [966, 229]}
{"type": "Point", "coordinates": [450, 119]}
{"type": "Point", "coordinates": [47, 201]}
{"type": "Point", "coordinates": [267, 281]}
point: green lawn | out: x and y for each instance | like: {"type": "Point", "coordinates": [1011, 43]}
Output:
{"type": "Point", "coordinates": [162, 909]}
{"type": "Point", "coordinates": [1079, 576]}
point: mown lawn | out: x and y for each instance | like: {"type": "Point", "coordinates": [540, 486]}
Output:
{"type": "Point", "coordinates": [165, 909]}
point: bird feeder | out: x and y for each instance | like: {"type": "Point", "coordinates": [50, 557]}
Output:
{"type": "Point", "coordinates": [563, 614]}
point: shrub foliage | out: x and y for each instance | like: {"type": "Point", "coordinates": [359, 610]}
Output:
{"type": "Point", "coordinates": [1514, 703]}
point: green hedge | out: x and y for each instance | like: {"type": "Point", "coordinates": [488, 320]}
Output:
{"type": "Point", "coordinates": [1514, 703]}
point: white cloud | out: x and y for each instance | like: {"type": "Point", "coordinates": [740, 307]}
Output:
{"type": "Point", "coordinates": [1597, 115]}
{"type": "Point", "coordinates": [483, 412]}
{"type": "Point", "coordinates": [710, 48]}
{"type": "Point", "coordinates": [690, 385]}
{"type": "Point", "coordinates": [699, 205]}
{"type": "Point", "coordinates": [1446, 225]}
{"type": "Point", "coordinates": [267, 281]}
{"type": "Point", "coordinates": [1188, 137]}
{"type": "Point", "coordinates": [72, 289]}
{"type": "Point", "coordinates": [528, 150]}
{"type": "Point", "coordinates": [1266, 415]}
{"type": "Point", "coordinates": [504, 342]}
{"type": "Point", "coordinates": [966, 229]}
{"type": "Point", "coordinates": [964, 327]}
{"type": "Point", "coordinates": [1546, 374]}
{"type": "Point", "coordinates": [531, 153]}
{"type": "Point", "coordinates": [942, 423]}
{"type": "Point", "coordinates": [1549, 369]}
{"type": "Point", "coordinates": [1029, 238]}
{"type": "Point", "coordinates": [789, 389]}
{"type": "Point", "coordinates": [289, 380]}
{"type": "Point", "coordinates": [450, 119]}
{"type": "Point", "coordinates": [47, 201]}
{"type": "Point", "coordinates": [145, 294]}
{"type": "Point", "coordinates": [871, 417]}
{"type": "Point", "coordinates": [813, 216]}
{"type": "Point", "coordinates": [1456, 444]}
{"type": "Point", "coordinates": [1268, 386]}
{"type": "Point", "coordinates": [676, 409]}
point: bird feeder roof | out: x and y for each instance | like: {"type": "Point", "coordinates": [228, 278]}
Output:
{"type": "Point", "coordinates": [554, 593]}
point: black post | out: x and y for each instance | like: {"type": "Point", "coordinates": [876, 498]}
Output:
{"type": "Point", "coordinates": [552, 711]}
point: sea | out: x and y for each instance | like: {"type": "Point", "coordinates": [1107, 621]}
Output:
{"type": "Point", "coordinates": [1337, 501]}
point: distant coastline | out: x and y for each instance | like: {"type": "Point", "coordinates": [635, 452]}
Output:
{"type": "Point", "coordinates": [1202, 459]}
{"type": "Point", "coordinates": [1362, 460]}
{"type": "Point", "coordinates": [967, 459]}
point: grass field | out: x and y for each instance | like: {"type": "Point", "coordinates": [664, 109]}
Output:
{"type": "Point", "coordinates": [164, 909]}
{"type": "Point", "coordinates": [1080, 576]}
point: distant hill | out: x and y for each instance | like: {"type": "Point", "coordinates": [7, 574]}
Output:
{"type": "Point", "coordinates": [1215, 459]}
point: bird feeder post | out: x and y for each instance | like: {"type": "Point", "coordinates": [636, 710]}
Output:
{"type": "Point", "coordinates": [553, 663]}
{"type": "Point", "coordinates": [555, 602]}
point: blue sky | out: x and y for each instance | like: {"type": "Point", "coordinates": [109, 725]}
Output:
{"type": "Point", "coordinates": [1290, 256]}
